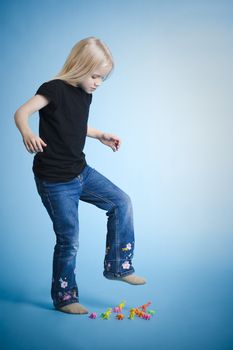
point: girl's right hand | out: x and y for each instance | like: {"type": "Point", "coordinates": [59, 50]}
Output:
{"type": "Point", "coordinates": [33, 143]}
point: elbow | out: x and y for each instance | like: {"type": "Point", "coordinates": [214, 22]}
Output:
{"type": "Point", "coordinates": [16, 115]}
{"type": "Point", "coordinates": [20, 112]}
{"type": "Point", "coordinates": [19, 116]}
{"type": "Point", "coordinates": [17, 112]}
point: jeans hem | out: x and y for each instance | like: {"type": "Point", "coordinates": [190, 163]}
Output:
{"type": "Point", "coordinates": [64, 303]}
{"type": "Point", "coordinates": [108, 274]}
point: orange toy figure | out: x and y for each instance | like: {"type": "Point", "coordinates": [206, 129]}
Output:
{"type": "Point", "coordinates": [132, 314]}
{"type": "Point", "coordinates": [139, 313]}
{"type": "Point", "coordinates": [121, 305]}
{"type": "Point", "coordinates": [144, 307]}
{"type": "Point", "coordinates": [120, 316]}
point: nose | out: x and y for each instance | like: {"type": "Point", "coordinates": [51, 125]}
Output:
{"type": "Point", "coordinates": [98, 82]}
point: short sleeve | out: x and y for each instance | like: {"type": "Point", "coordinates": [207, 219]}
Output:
{"type": "Point", "coordinates": [50, 90]}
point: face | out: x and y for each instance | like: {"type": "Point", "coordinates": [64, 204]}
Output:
{"type": "Point", "coordinates": [94, 80]}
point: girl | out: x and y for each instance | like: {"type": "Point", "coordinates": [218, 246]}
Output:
{"type": "Point", "coordinates": [62, 175]}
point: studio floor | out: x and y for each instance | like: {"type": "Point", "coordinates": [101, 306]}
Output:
{"type": "Point", "coordinates": [193, 311]}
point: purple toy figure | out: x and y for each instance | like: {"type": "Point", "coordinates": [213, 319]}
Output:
{"type": "Point", "coordinates": [147, 316]}
{"type": "Point", "coordinates": [93, 315]}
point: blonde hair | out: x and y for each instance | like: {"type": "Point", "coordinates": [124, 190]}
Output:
{"type": "Point", "coordinates": [85, 56]}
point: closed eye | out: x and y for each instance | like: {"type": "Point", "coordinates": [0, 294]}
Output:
{"type": "Point", "coordinates": [97, 76]}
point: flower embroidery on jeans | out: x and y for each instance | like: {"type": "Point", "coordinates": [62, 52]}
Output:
{"type": "Point", "coordinates": [126, 265]}
{"type": "Point", "coordinates": [128, 247]}
{"type": "Point", "coordinates": [64, 284]}
{"type": "Point", "coordinates": [66, 296]}
{"type": "Point", "coordinates": [63, 296]}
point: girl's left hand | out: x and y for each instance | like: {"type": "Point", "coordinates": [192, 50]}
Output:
{"type": "Point", "coordinates": [111, 140]}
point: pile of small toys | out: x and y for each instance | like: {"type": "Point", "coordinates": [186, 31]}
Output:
{"type": "Point", "coordinates": [140, 311]}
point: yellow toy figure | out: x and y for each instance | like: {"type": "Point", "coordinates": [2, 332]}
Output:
{"type": "Point", "coordinates": [132, 314]}
{"type": "Point", "coordinates": [121, 305]}
{"type": "Point", "coordinates": [106, 315]}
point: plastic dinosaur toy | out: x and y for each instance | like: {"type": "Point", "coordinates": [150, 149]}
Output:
{"type": "Point", "coordinates": [120, 316]}
{"type": "Point", "coordinates": [145, 306]}
{"type": "Point", "coordinates": [121, 305]}
{"type": "Point", "coordinates": [106, 315]}
{"type": "Point", "coordinates": [151, 312]}
{"type": "Point", "coordinates": [132, 314]}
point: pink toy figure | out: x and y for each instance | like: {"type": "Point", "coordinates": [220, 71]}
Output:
{"type": "Point", "coordinates": [132, 314]}
{"type": "Point", "coordinates": [144, 307]}
{"type": "Point", "coordinates": [147, 317]}
{"type": "Point", "coordinates": [120, 316]}
{"type": "Point", "coordinates": [116, 309]}
{"type": "Point", "coordinates": [93, 315]}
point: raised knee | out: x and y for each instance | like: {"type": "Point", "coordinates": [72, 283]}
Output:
{"type": "Point", "coordinates": [126, 200]}
{"type": "Point", "coordinates": [121, 203]}
{"type": "Point", "coordinates": [124, 203]}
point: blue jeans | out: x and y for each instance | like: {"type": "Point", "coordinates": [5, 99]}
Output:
{"type": "Point", "coordinates": [61, 201]}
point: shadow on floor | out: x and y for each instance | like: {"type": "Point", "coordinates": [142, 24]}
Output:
{"type": "Point", "coordinates": [21, 297]}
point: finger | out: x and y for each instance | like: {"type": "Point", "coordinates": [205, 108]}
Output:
{"type": "Point", "coordinates": [117, 145]}
{"type": "Point", "coordinates": [27, 145]}
{"type": "Point", "coordinates": [34, 149]}
{"type": "Point", "coordinates": [39, 147]}
{"type": "Point", "coordinates": [28, 148]}
{"type": "Point", "coordinates": [43, 143]}
{"type": "Point", "coordinates": [31, 146]}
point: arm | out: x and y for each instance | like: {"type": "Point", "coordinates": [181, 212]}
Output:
{"type": "Point", "coordinates": [32, 142]}
{"type": "Point", "coordinates": [110, 140]}
{"type": "Point", "coordinates": [94, 133]}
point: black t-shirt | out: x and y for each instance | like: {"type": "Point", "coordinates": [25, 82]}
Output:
{"type": "Point", "coordinates": [63, 127]}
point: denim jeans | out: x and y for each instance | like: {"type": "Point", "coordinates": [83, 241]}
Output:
{"type": "Point", "coordinates": [61, 200]}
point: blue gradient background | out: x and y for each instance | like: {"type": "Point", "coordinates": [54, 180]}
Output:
{"type": "Point", "coordinates": [169, 100]}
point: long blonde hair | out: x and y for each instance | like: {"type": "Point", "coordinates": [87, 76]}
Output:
{"type": "Point", "coordinates": [85, 56]}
